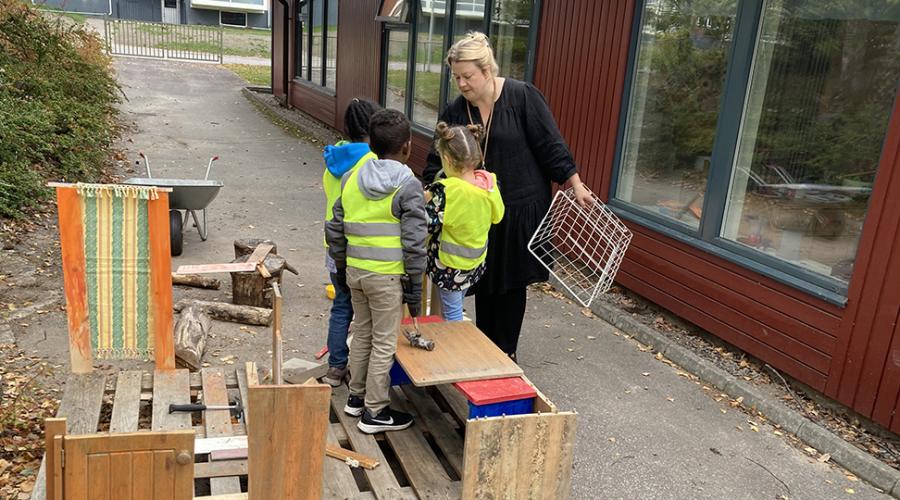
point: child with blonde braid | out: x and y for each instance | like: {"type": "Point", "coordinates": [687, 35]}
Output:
{"type": "Point", "coordinates": [461, 209]}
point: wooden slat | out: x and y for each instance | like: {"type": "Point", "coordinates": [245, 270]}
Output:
{"type": "Point", "coordinates": [127, 402]}
{"type": "Point", "coordinates": [170, 387]}
{"type": "Point", "coordinates": [81, 403]}
{"type": "Point", "coordinates": [215, 268]}
{"type": "Point", "coordinates": [521, 456]}
{"type": "Point", "coordinates": [221, 468]}
{"type": "Point", "coordinates": [462, 352]}
{"type": "Point", "coordinates": [217, 423]}
{"type": "Point", "coordinates": [161, 282]}
{"type": "Point", "coordinates": [259, 254]}
{"type": "Point", "coordinates": [53, 428]}
{"type": "Point", "coordinates": [287, 436]}
{"type": "Point", "coordinates": [382, 481]}
{"type": "Point", "coordinates": [431, 417]}
{"type": "Point", "coordinates": [243, 384]}
{"type": "Point", "coordinates": [277, 374]}
{"type": "Point", "coordinates": [71, 239]}
{"type": "Point", "coordinates": [424, 470]}
{"type": "Point", "coordinates": [457, 402]}
{"type": "Point", "coordinates": [337, 482]}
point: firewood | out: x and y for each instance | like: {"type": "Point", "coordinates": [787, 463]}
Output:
{"type": "Point", "coordinates": [196, 280]}
{"type": "Point", "coordinates": [230, 312]}
{"type": "Point", "coordinates": [191, 332]}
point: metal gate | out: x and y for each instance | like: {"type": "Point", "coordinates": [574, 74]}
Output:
{"type": "Point", "coordinates": [165, 41]}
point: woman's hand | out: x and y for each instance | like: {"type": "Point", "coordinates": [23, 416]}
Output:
{"type": "Point", "coordinates": [582, 194]}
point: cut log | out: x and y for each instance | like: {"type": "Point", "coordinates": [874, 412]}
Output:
{"type": "Point", "coordinates": [191, 332]}
{"type": "Point", "coordinates": [230, 312]}
{"type": "Point", "coordinates": [196, 280]}
{"type": "Point", "coordinates": [250, 288]}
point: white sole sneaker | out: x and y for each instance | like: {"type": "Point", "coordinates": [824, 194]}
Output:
{"type": "Point", "coordinates": [375, 428]}
{"type": "Point", "coordinates": [353, 412]}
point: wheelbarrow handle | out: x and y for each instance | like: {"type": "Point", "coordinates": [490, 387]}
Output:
{"type": "Point", "coordinates": [209, 165]}
{"type": "Point", "coordinates": [146, 163]}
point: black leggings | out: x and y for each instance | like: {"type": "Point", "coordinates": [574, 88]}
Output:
{"type": "Point", "coordinates": [500, 316]}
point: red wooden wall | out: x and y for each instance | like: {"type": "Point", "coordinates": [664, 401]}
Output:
{"type": "Point", "coordinates": [851, 354]}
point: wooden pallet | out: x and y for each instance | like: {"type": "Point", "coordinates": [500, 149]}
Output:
{"type": "Point", "coordinates": [428, 460]}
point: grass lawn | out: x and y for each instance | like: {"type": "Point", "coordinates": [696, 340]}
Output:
{"type": "Point", "coordinates": [428, 85]}
{"type": "Point", "coordinates": [255, 75]}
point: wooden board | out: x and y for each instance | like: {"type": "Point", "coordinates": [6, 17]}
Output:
{"type": "Point", "coordinates": [461, 353]}
{"type": "Point", "coordinates": [81, 402]}
{"type": "Point", "coordinates": [170, 387]}
{"type": "Point", "coordinates": [520, 456]}
{"type": "Point", "coordinates": [382, 481]}
{"type": "Point", "coordinates": [438, 425]}
{"type": "Point", "coordinates": [218, 423]}
{"type": "Point", "coordinates": [215, 268]}
{"type": "Point", "coordinates": [161, 282]}
{"type": "Point", "coordinates": [338, 481]}
{"type": "Point", "coordinates": [127, 403]}
{"type": "Point", "coordinates": [286, 441]}
{"type": "Point", "coordinates": [71, 239]}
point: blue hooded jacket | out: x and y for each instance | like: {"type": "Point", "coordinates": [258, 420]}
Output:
{"type": "Point", "coordinates": [342, 156]}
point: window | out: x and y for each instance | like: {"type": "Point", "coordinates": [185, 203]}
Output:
{"type": "Point", "coordinates": [415, 78]}
{"type": "Point", "coordinates": [316, 42]}
{"type": "Point", "coordinates": [757, 128]}
{"type": "Point", "coordinates": [233, 19]}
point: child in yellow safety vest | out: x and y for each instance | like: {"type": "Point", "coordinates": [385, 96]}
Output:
{"type": "Point", "coordinates": [461, 209]}
{"type": "Point", "coordinates": [343, 157]}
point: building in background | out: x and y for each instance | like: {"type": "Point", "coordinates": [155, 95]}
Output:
{"type": "Point", "coordinates": [239, 13]}
{"type": "Point", "coordinates": [752, 146]}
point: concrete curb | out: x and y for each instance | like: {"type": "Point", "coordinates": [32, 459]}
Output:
{"type": "Point", "coordinates": [852, 458]}
{"type": "Point", "coordinates": [297, 122]}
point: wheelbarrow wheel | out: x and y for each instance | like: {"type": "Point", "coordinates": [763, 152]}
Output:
{"type": "Point", "coordinates": [175, 236]}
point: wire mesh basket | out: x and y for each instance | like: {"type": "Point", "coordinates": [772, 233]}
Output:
{"type": "Point", "coordinates": [581, 247]}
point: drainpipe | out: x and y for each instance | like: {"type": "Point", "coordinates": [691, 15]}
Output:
{"type": "Point", "coordinates": [286, 26]}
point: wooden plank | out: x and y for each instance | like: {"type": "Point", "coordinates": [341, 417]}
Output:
{"type": "Point", "coordinates": [127, 403]}
{"type": "Point", "coordinates": [221, 468]}
{"type": "Point", "coordinates": [381, 479]}
{"type": "Point", "coordinates": [338, 481]}
{"type": "Point", "coordinates": [461, 353]}
{"type": "Point", "coordinates": [71, 239]}
{"type": "Point", "coordinates": [170, 387]}
{"type": "Point", "coordinates": [432, 418]}
{"type": "Point", "coordinates": [288, 435]}
{"type": "Point", "coordinates": [423, 468]}
{"type": "Point", "coordinates": [276, 335]}
{"type": "Point", "coordinates": [54, 430]}
{"type": "Point", "coordinates": [243, 384]}
{"type": "Point", "coordinates": [217, 423]}
{"type": "Point", "coordinates": [457, 402]}
{"type": "Point", "coordinates": [81, 402]}
{"type": "Point", "coordinates": [349, 456]}
{"type": "Point", "coordinates": [259, 254]}
{"type": "Point", "coordinates": [215, 268]}
{"type": "Point", "coordinates": [520, 456]}
{"type": "Point", "coordinates": [161, 282]}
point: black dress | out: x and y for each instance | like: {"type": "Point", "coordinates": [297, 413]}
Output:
{"type": "Point", "coordinates": [527, 152]}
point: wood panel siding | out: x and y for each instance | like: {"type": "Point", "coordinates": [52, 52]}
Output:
{"type": "Point", "coordinates": [313, 101]}
{"type": "Point", "coordinates": [278, 68]}
{"type": "Point", "coordinates": [582, 61]}
{"type": "Point", "coordinates": [866, 367]}
{"type": "Point", "coordinates": [359, 46]}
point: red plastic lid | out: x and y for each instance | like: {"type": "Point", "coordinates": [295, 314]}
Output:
{"type": "Point", "coordinates": [422, 320]}
{"type": "Point", "coordinates": [497, 390]}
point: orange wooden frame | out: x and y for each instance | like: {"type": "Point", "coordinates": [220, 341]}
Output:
{"type": "Point", "coordinates": [73, 262]}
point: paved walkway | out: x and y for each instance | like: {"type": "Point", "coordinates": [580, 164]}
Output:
{"type": "Point", "coordinates": [644, 430]}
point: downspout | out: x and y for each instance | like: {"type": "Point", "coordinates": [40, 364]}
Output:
{"type": "Point", "coordinates": [284, 52]}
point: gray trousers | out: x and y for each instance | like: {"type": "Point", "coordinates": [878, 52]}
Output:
{"type": "Point", "coordinates": [377, 308]}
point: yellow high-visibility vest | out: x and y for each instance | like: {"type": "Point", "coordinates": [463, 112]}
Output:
{"type": "Point", "coordinates": [469, 212]}
{"type": "Point", "coordinates": [332, 185]}
{"type": "Point", "coordinates": [372, 231]}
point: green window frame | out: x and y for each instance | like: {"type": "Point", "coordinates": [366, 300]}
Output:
{"type": "Point", "coordinates": [733, 111]}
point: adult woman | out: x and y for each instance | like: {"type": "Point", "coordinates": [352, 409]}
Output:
{"type": "Point", "coordinates": [523, 146]}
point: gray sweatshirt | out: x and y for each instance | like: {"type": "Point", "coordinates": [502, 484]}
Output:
{"type": "Point", "coordinates": [378, 179]}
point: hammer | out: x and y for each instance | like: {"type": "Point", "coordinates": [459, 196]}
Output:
{"type": "Point", "coordinates": [236, 409]}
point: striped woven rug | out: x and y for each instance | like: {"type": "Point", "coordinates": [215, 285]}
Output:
{"type": "Point", "coordinates": [117, 269]}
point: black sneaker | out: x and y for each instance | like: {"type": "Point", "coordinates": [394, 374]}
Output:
{"type": "Point", "coordinates": [386, 420]}
{"type": "Point", "coordinates": [355, 406]}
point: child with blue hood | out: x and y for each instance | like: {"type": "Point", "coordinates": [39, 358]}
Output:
{"type": "Point", "coordinates": [340, 159]}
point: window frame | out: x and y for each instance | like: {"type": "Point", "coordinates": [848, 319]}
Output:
{"type": "Point", "coordinates": [411, 26]}
{"type": "Point", "coordinates": [306, 79]}
{"type": "Point", "coordinates": [707, 238]}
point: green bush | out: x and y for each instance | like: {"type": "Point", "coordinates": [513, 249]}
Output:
{"type": "Point", "coordinates": [57, 105]}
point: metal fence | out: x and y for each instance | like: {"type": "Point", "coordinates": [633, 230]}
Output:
{"type": "Point", "coordinates": [165, 41]}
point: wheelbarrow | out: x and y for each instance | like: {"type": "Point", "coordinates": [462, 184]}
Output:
{"type": "Point", "coordinates": [188, 195]}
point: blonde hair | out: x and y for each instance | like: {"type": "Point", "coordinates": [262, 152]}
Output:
{"type": "Point", "coordinates": [459, 145]}
{"type": "Point", "coordinates": [474, 47]}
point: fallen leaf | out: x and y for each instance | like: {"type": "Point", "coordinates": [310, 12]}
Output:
{"type": "Point", "coordinates": [778, 433]}
{"type": "Point", "coordinates": [586, 312]}
{"type": "Point", "coordinates": [612, 440]}
{"type": "Point", "coordinates": [670, 399]}
{"type": "Point", "coordinates": [591, 337]}
{"type": "Point", "coordinates": [824, 458]}
{"type": "Point", "coordinates": [646, 374]}
{"type": "Point", "coordinates": [850, 491]}
{"type": "Point", "coordinates": [851, 477]}
{"type": "Point", "coordinates": [659, 356]}
{"type": "Point", "coordinates": [570, 349]}
{"type": "Point", "coordinates": [579, 358]}
{"type": "Point", "coordinates": [811, 450]}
